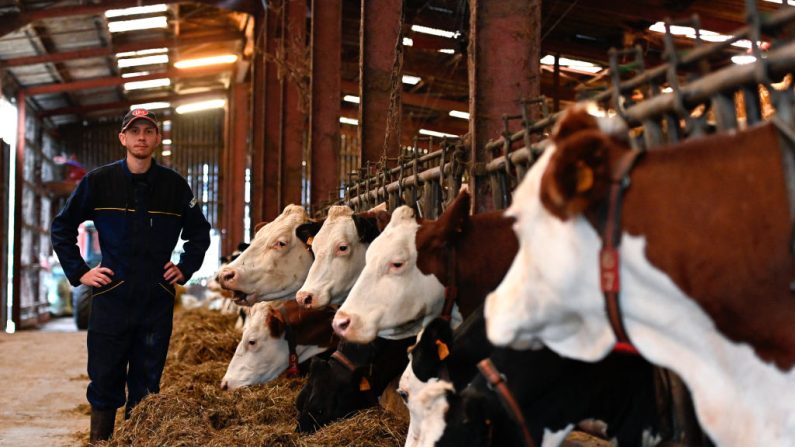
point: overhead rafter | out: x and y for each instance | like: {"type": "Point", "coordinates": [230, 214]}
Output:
{"type": "Point", "coordinates": [114, 80]}
{"type": "Point", "coordinates": [108, 51]}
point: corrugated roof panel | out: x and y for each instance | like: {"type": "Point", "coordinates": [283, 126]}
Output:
{"type": "Point", "coordinates": [16, 44]}
{"type": "Point", "coordinates": [72, 33]}
{"type": "Point", "coordinates": [97, 96]}
{"type": "Point", "coordinates": [32, 74]}
{"type": "Point", "coordinates": [88, 68]}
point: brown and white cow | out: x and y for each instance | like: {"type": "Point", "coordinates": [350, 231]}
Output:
{"type": "Point", "coordinates": [339, 246]}
{"type": "Point", "coordinates": [402, 286]}
{"type": "Point", "coordinates": [263, 351]}
{"type": "Point", "coordinates": [275, 264]}
{"type": "Point", "coordinates": [705, 269]}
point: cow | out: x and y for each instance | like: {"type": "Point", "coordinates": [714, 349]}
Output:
{"type": "Point", "coordinates": [263, 352]}
{"type": "Point", "coordinates": [275, 264]}
{"type": "Point", "coordinates": [556, 394]}
{"type": "Point", "coordinates": [705, 267]}
{"type": "Point", "coordinates": [339, 244]}
{"type": "Point", "coordinates": [353, 378]}
{"type": "Point", "coordinates": [402, 286]}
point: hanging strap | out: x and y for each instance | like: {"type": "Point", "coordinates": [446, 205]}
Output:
{"type": "Point", "coordinates": [289, 335]}
{"type": "Point", "coordinates": [496, 382]}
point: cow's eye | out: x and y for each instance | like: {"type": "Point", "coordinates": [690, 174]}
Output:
{"type": "Point", "coordinates": [343, 248]}
{"type": "Point", "coordinates": [396, 266]}
{"type": "Point", "coordinates": [279, 244]}
{"type": "Point", "coordinates": [252, 342]}
{"type": "Point", "coordinates": [403, 395]}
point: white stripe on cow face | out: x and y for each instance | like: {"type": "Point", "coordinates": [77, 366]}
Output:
{"type": "Point", "coordinates": [339, 259]}
{"type": "Point", "coordinates": [391, 294]}
{"type": "Point", "coordinates": [275, 264]}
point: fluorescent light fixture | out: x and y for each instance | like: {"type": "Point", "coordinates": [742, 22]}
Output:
{"type": "Point", "coordinates": [142, 52]}
{"type": "Point", "coordinates": [789, 2]}
{"type": "Point", "coordinates": [433, 133]}
{"type": "Point", "coordinates": [667, 90]}
{"type": "Point", "coordinates": [447, 51]}
{"type": "Point", "coordinates": [706, 35]}
{"type": "Point", "coordinates": [146, 60]}
{"type": "Point", "coordinates": [137, 24]}
{"type": "Point", "coordinates": [350, 121]}
{"type": "Point", "coordinates": [167, 142]}
{"type": "Point", "coordinates": [152, 83]}
{"type": "Point", "coordinates": [201, 105]}
{"type": "Point", "coordinates": [742, 59]}
{"type": "Point", "coordinates": [408, 41]}
{"type": "Point", "coordinates": [136, 10]}
{"type": "Point", "coordinates": [166, 153]}
{"type": "Point", "coordinates": [411, 80]}
{"type": "Point", "coordinates": [202, 61]}
{"type": "Point", "coordinates": [459, 114]}
{"type": "Point", "coordinates": [434, 31]}
{"type": "Point", "coordinates": [574, 64]}
{"type": "Point", "coordinates": [351, 98]}
{"type": "Point", "coordinates": [135, 74]}
{"type": "Point", "coordinates": [151, 106]}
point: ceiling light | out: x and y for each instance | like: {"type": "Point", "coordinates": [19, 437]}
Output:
{"type": "Point", "coordinates": [201, 105]}
{"type": "Point", "coordinates": [351, 121]}
{"type": "Point", "coordinates": [459, 114]}
{"type": "Point", "coordinates": [146, 60]}
{"type": "Point", "coordinates": [136, 10]}
{"type": "Point", "coordinates": [351, 98]}
{"type": "Point", "coordinates": [151, 106]}
{"type": "Point", "coordinates": [433, 133]}
{"type": "Point", "coordinates": [573, 64]}
{"type": "Point", "coordinates": [667, 90]}
{"type": "Point", "coordinates": [790, 2]}
{"type": "Point", "coordinates": [706, 35]}
{"type": "Point", "coordinates": [411, 80]}
{"type": "Point", "coordinates": [137, 24]}
{"type": "Point", "coordinates": [167, 142]}
{"type": "Point", "coordinates": [166, 153]}
{"type": "Point", "coordinates": [435, 31]}
{"type": "Point", "coordinates": [447, 50]}
{"type": "Point", "coordinates": [135, 74]}
{"type": "Point", "coordinates": [408, 41]}
{"type": "Point", "coordinates": [212, 60]}
{"type": "Point", "coordinates": [152, 83]}
{"type": "Point", "coordinates": [142, 52]}
{"type": "Point", "coordinates": [742, 59]}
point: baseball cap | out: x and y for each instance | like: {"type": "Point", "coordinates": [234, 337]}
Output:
{"type": "Point", "coordinates": [139, 114]}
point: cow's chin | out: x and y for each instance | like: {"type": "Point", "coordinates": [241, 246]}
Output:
{"type": "Point", "coordinates": [579, 340]}
{"type": "Point", "coordinates": [360, 334]}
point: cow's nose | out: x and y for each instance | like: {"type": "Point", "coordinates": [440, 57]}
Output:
{"type": "Point", "coordinates": [224, 385]}
{"type": "Point", "coordinates": [304, 298]}
{"type": "Point", "coordinates": [341, 323]}
{"type": "Point", "coordinates": [226, 276]}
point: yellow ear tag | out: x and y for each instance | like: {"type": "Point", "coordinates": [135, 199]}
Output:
{"type": "Point", "coordinates": [309, 240]}
{"type": "Point", "coordinates": [584, 177]}
{"type": "Point", "coordinates": [443, 350]}
{"type": "Point", "coordinates": [364, 385]}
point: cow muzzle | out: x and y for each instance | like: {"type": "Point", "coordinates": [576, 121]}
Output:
{"type": "Point", "coordinates": [227, 277]}
{"type": "Point", "coordinates": [305, 298]}
{"type": "Point", "coordinates": [341, 324]}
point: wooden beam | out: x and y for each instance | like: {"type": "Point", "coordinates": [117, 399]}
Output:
{"type": "Point", "coordinates": [294, 116]}
{"type": "Point", "coordinates": [87, 53]}
{"type": "Point", "coordinates": [113, 81]}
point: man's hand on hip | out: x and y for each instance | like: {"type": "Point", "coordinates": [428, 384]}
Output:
{"type": "Point", "coordinates": [97, 277]}
{"type": "Point", "coordinates": [173, 274]}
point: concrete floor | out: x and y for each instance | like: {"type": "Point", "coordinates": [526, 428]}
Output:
{"type": "Point", "coordinates": [42, 386]}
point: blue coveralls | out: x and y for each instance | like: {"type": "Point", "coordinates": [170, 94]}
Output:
{"type": "Point", "coordinates": [139, 218]}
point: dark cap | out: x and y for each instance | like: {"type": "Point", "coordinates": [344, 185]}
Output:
{"type": "Point", "coordinates": [139, 114]}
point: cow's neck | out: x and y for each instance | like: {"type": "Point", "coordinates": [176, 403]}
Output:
{"type": "Point", "coordinates": [740, 399]}
{"type": "Point", "coordinates": [484, 253]}
{"type": "Point", "coordinates": [714, 212]}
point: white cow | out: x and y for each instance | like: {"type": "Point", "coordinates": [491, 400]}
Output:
{"type": "Point", "coordinates": [275, 264]}
{"type": "Point", "coordinates": [552, 291]}
{"type": "Point", "coordinates": [263, 351]}
{"type": "Point", "coordinates": [391, 298]}
{"type": "Point", "coordinates": [339, 247]}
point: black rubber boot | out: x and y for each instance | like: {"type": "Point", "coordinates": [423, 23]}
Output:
{"type": "Point", "coordinates": [102, 422]}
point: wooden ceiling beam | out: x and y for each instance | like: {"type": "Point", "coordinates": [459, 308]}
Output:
{"type": "Point", "coordinates": [87, 53]}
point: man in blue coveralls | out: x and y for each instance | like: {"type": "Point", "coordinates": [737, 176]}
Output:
{"type": "Point", "coordinates": [139, 209]}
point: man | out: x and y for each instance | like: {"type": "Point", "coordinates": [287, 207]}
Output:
{"type": "Point", "coordinates": [138, 209]}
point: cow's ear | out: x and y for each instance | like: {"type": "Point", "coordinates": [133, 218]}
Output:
{"type": "Point", "coordinates": [382, 219]}
{"type": "Point", "coordinates": [308, 230]}
{"type": "Point", "coordinates": [258, 226]}
{"type": "Point", "coordinates": [366, 226]}
{"type": "Point", "coordinates": [574, 120]}
{"type": "Point", "coordinates": [578, 174]}
{"type": "Point", "coordinates": [275, 323]}
{"type": "Point", "coordinates": [456, 215]}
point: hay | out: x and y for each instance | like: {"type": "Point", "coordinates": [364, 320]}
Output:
{"type": "Point", "coordinates": [192, 410]}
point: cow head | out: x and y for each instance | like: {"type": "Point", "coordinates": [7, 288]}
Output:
{"type": "Point", "coordinates": [274, 265]}
{"type": "Point", "coordinates": [333, 391]}
{"type": "Point", "coordinates": [434, 238]}
{"type": "Point", "coordinates": [339, 247]}
{"type": "Point", "coordinates": [551, 292]}
{"type": "Point", "coordinates": [428, 408]}
{"type": "Point", "coordinates": [263, 351]}
{"type": "Point", "coordinates": [392, 297]}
